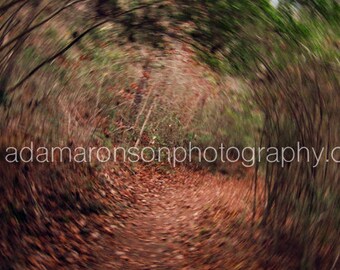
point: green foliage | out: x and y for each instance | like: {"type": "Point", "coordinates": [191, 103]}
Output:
{"type": "Point", "coordinates": [232, 120]}
{"type": "Point", "coordinates": [329, 10]}
{"type": "Point", "coordinates": [245, 33]}
{"type": "Point", "coordinates": [52, 33]}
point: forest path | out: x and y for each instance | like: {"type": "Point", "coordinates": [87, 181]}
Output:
{"type": "Point", "coordinates": [186, 220]}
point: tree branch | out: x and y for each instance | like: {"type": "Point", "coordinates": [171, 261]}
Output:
{"type": "Point", "coordinates": [72, 43]}
{"type": "Point", "coordinates": [54, 56]}
{"type": "Point", "coordinates": [5, 7]}
{"type": "Point", "coordinates": [39, 24]}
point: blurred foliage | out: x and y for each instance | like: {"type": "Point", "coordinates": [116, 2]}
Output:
{"type": "Point", "coordinates": [288, 55]}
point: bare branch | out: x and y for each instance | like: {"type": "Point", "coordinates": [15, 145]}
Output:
{"type": "Point", "coordinates": [12, 16]}
{"type": "Point", "coordinates": [6, 7]}
{"type": "Point", "coordinates": [39, 24]}
{"type": "Point", "coordinates": [56, 55]}
{"type": "Point", "coordinates": [72, 43]}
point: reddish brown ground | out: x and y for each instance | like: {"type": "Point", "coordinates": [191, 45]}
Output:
{"type": "Point", "coordinates": [184, 220]}
{"type": "Point", "coordinates": [153, 218]}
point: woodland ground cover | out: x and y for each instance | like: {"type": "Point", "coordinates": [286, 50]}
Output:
{"type": "Point", "coordinates": [136, 74]}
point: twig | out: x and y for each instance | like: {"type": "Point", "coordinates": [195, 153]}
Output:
{"type": "Point", "coordinates": [39, 24]}
{"type": "Point", "coordinates": [54, 56]}
{"type": "Point", "coordinates": [72, 43]}
{"type": "Point", "coordinates": [5, 7]}
{"type": "Point", "coordinates": [144, 125]}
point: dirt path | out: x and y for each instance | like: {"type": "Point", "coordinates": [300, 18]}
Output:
{"type": "Point", "coordinates": [188, 220]}
{"type": "Point", "coordinates": [152, 218]}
